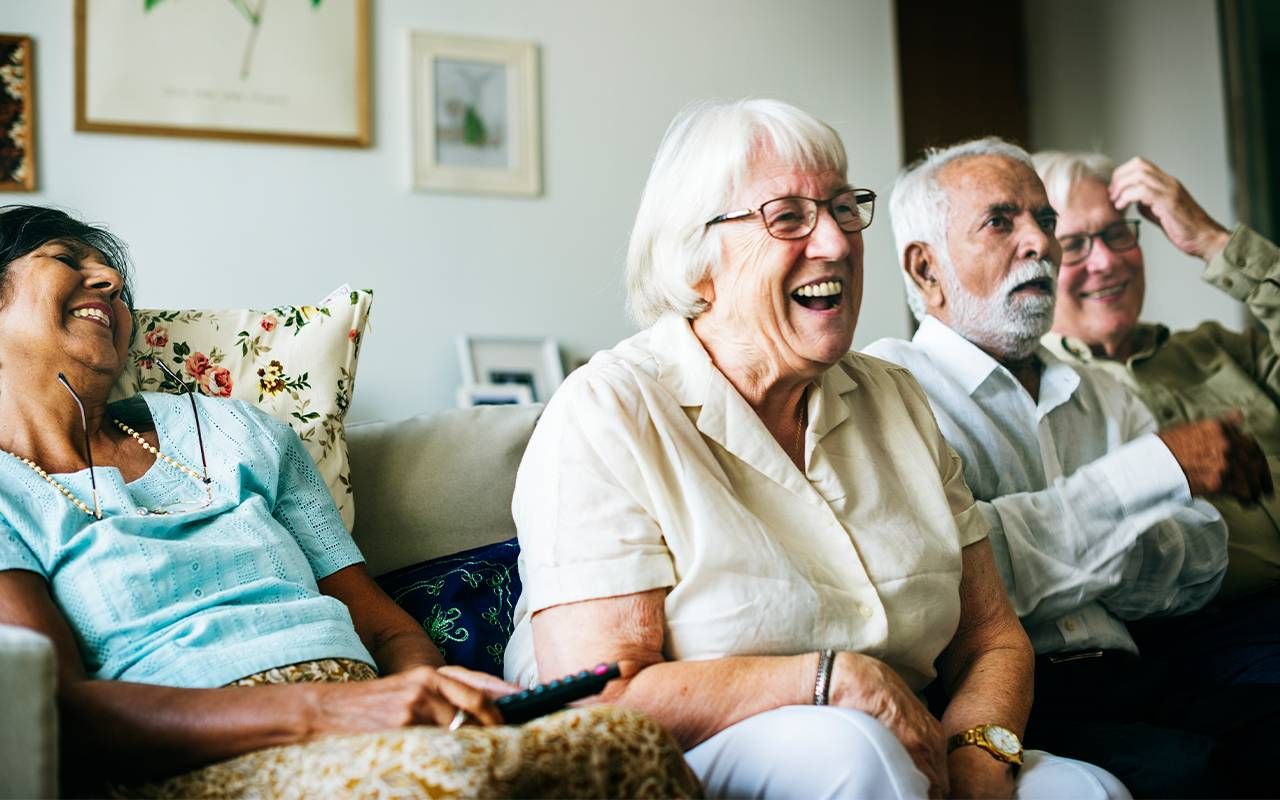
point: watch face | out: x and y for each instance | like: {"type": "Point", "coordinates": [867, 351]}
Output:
{"type": "Point", "coordinates": [1004, 740]}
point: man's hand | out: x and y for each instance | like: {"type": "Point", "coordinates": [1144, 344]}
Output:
{"type": "Point", "coordinates": [974, 773]}
{"type": "Point", "coordinates": [869, 685]}
{"type": "Point", "coordinates": [1166, 202]}
{"type": "Point", "coordinates": [1219, 458]}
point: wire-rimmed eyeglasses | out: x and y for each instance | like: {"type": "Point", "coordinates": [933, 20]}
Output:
{"type": "Point", "coordinates": [191, 505]}
{"type": "Point", "coordinates": [1118, 237]}
{"type": "Point", "coordinates": [795, 217]}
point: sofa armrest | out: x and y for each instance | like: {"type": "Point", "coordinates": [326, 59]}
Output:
{"type": "Point", "coordinates": [28, 715]}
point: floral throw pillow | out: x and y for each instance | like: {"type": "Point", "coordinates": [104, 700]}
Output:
{"type": "Point", "coordinates": [465, 601]}
{"type": "Point", "coordinates": [297, 363]}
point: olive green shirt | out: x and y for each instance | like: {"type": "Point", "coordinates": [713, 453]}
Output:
{"type": "Point", "coordinates": [1208, 371]}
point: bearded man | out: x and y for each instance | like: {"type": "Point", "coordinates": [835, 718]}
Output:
{"type": "Point", "coordinates": [1094, 515]}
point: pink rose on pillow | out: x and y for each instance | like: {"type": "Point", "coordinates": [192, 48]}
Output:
{"type": "Point", "coordinates": [197, 365]}
{"type": "Point", "coordinates": [269, 323]}
{"type": "Point", "coordinates": [216, 382]}
{"type": "Point", "coordinates": [157, 337]}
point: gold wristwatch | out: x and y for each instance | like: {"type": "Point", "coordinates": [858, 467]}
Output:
{"type": "Point", "coordinates": [1001, 743]}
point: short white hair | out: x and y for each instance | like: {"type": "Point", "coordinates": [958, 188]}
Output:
{"type": "Point", "coordinates": [1061, 172]}
{"type": "Point", "coordinates": [919, 206]}
{"type": "Point", "coordinates": [703, 159]}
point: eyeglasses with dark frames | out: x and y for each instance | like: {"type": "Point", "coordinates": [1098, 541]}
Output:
{"type": "Point", "coordinates": [1118, 236]}
{"type": "Point", "coordinates": [193, 505]}
{"type": "Point", "coordinates": [795, 217]}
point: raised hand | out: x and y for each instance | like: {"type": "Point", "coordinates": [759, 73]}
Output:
{"type": "Point", "coordinates": [419, 696]}
{"type": "Point", "coordinates": [1220, 458]}
{"type": "Point", "coordinates": [1162, 199]}
{"type": "Point", "coordinates": [869, 685]}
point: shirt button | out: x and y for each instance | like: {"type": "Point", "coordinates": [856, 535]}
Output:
{"type": "Point", "coordinates": [864, 610]}
{"type": "Point", "coordinates": [1070, 625]}
{"type": "Point", "coordinates": [195, 566]}
{"type": "Point", "coordinates": [1228, 282]}
{"type": "Point", "coordinates": [1167, 413]}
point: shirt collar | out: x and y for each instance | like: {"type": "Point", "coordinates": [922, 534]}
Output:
{"type": "Point", "coordinates": [1148, 338]}
{"type": "Point", "coordinates": [970, 366]}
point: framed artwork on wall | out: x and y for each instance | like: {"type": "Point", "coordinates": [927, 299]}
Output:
{"type": "Point", "coordinates": [494, 394]}
{"type": "Point", "coordinates": [294, 71]}
{"type": "Point", "coordinates": [17, 114]}
{"type": "Point", "coordinates": [532, 364]}
{"type": "Point", "coordinates": [475, 115]}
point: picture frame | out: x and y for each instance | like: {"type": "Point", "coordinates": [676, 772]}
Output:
{"type": "Point", "coordinates": [529, 362]}
{"type": "Point", "coordinates": [494, 394]}
{"type": "Point", "coordinates": [475, 115]}
{"type": "Point", "coordinates": [17, 114]}
{"type": "Point", "coordinates": [292, 71]}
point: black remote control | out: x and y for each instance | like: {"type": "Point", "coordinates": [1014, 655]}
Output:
{"type": "Point", "coordinates": [555, 695]}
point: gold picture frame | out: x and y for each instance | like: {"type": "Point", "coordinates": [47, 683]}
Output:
{"type": "Point", "coordinates": [17, 114]}
{"type": "Point", "coordinates": [295, 72]}
{"type": "Point", "coordinates": [475, 115]}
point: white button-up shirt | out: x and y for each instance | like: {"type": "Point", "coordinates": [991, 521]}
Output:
{"type": "Point", "coordinates": [648, 470]}
{"type": "Point", "coordinates": [1092, 520]}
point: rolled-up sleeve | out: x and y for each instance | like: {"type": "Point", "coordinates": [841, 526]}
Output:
{"type": "Point", "coordinates": [585, 494]}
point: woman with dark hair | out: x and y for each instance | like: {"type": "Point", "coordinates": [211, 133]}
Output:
{"type": "Point", "coordinates": [178, 550]}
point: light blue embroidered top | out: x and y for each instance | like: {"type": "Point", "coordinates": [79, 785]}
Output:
{"type": "Point", "coordinates": [194, 598]}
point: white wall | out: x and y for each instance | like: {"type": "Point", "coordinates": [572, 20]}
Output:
{"type": "Point", "coordinates": [1140, 77]}
{"type": "Point", "coordinates": [229, 224]}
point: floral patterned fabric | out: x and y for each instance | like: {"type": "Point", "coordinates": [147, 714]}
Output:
{"type": "Point", "coordinates": [297, 363]}
{"type": "Point", "coordinates": [465, 602]}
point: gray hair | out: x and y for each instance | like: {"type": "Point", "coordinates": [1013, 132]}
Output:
{"type": "Point", "coordinates": [919, 207]}
{"type": "Point", "coordinates": [1061, 171]}
{"type": "Point", "coordinates": [703, 159]}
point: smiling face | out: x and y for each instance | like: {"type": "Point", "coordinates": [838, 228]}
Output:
{"type": "Point", "coordinates": [1099, 300]}
{"type": "Point", "coordinates": [998, 272]}
{"type": "Point", "coordinates": [788, 306]}
{"type": "Point", "coordinates": [61, 306]}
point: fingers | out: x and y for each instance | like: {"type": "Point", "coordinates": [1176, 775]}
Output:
{"type": "Point", "coordinates": [1162, 199]}
{"type": "Point", "coordinates": [1219, 457]}
{"type": "Point", "coordinates": [468, 698]}
{"type": "Point", "coordinates": [491, 685]}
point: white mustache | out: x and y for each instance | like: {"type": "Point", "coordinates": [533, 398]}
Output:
{"type": "Point", "coordinates": [1030, 271]}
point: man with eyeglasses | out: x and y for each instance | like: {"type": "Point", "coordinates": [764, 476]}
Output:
{"type": "Point", "coordinates": [1094, 516]}
{"type": "Point", "coordinates": [1205, 373]}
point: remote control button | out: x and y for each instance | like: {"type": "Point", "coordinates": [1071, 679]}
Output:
{"type": "Point", "coordinates": [601, 669]}
{"type": "Point", "coordinates": [540, 690]}
{"type": "Point", "coordinates": [583, 674]}
{"type": "Point", "coordinates": [553, 684]}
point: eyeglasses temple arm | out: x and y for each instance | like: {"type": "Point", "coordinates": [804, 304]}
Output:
{"type": "Point", "coordinates": [88, 450]}
{"type": "Point", "coordinates": [204, 465]}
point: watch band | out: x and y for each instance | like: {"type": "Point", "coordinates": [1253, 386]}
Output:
{"type": "Point", "coordinates": [822, 682]}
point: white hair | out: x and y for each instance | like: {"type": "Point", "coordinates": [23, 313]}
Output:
{"type": "Point", "coordinates": [703, 159]}
{"type": "Point", "coordinates": [919, 206]}
{"type": "Point", "coordinates": [1060, 172]}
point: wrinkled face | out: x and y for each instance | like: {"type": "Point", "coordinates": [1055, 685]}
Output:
{"type": "Point", "coordinates": [1002, 255]}
{"type": "Point", "coordinates": [791, 304]}
{"type": "Point", "coordinates": [1099, 301]}
{"type": "Point", "coordinates": [61, 305]}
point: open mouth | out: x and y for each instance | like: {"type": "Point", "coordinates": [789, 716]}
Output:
{"type": "Point", "coordinates": [1103, 294]}
{"type": "Point", "coordinates": [93, 314]}
{"type": "Point", "coordinates": [1034, 286]}
{"type": "Point", "coordinates": [820, 295]}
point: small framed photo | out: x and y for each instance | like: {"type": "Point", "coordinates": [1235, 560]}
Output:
{"type": "Point", "coordinates": [292, 72]}
{"type": "Point", "coordinates": [494, 394]}
{"type": "Point", "coordinates": [17, 114]}
{"type": "Point", "coordinates": [532, 363]}
{"type": "Point", "coordinates": [475, 115]}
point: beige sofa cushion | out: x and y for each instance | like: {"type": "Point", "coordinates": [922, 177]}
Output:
{"type": "Point", "coordinates": [435, 484]}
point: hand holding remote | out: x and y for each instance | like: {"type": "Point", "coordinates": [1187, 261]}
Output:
{"type": "Point", "coordinates": [555, 695]}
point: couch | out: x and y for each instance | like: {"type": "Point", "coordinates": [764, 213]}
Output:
{"type": "Point", "coordinates": [424, 487]}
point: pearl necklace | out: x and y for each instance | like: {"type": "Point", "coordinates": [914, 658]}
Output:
{"type": "Point", "coordinates": [95, 512]}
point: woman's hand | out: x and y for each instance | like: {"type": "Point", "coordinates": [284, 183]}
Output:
{"type": "Point", "coordinates": [867, 684]}
{"type": "Point", "coordinates": [419, 696]}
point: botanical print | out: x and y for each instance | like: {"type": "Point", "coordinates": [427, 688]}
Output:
{"type": "Point", "coordinates": [297, 363]}
{"type": "Point", "coordinates": [252, 14]}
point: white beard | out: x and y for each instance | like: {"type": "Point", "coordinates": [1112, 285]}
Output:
{"type": "Point", "coordinates": [1004, 324]}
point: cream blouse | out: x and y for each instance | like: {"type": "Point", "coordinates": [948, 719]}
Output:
{"type": "Point", "coordinates": [648, 470]}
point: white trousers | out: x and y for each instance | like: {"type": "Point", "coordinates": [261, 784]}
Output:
{"type": "Point", "coordinates": [820, 751]}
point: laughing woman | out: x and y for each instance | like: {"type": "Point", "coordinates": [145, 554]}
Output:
{"type": "Point", "coordinates": [216, 631]}
{"type": "Point", "coordinates": [766, 530]}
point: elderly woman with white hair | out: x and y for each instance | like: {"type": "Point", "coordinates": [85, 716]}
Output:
{"type": "Point", "coordinates": [766, 531]}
